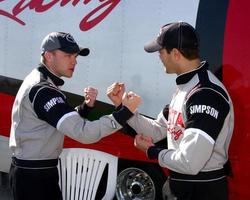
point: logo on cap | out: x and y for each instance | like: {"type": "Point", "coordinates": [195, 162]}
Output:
{"type": "Point", "coordinates": [70, 38]}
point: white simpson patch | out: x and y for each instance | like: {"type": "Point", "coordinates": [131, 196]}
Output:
{"type": "Point", "coordinates": [52, 102]}
{"type": "Point", "coordinates": [204, 109]}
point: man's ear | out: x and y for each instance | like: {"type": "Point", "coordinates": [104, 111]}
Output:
{"type": "Point", "coordinates": [176, 53]}
{"type": "Point", "coordinates": [48, 56]}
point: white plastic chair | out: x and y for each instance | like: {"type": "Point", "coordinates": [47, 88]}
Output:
{"type": "Point", "coordinates": [80, 172]}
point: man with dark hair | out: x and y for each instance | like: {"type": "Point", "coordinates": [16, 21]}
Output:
{"type": "Point", "coordinates": [198, 123]}
{"type": "Point", "coordinates": [41, 116]}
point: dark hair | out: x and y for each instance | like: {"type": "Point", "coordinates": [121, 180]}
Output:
{"type": "Point", "coordinates": [188, 53]}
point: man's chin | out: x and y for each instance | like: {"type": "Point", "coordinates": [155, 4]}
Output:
{"type": "Point", "coordinates": [68, 75]}
{"type": "Point", "coordinates": [166, 71]}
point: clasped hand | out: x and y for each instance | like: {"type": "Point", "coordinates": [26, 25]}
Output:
{"type": "Point", "coordinates": [143, 142]}
{"type": "Point", "coordinates": [90, 95]}
{"type": "Point", "coordinates": [116, 93]}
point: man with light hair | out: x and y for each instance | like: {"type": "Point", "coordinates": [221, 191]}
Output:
{"type": "Point", "coordinates": [41, 117]}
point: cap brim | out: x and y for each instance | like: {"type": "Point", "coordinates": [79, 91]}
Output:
{"type": "Point", "coordinates": [84, 51]}
{"type": "Point", "coordinates": [76, 49]}
{"type": "Point", "coordinates": [152, 47]}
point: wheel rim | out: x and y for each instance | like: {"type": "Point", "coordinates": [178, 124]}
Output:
{"type": "Point", "coordinates": [134, 184]}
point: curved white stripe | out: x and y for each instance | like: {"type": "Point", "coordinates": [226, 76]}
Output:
{"type": "Point", "coordinates": [198, 180]}
{"type": "Point", "coordinates": [200, 132]}
{"type": "Point", "coordinates": [64, 117]}
{"type": "Point", "coordinates": [207, 88]}
{"type": "Point", "coordinates": [161, 116]}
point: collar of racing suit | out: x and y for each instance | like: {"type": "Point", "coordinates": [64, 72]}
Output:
{"type": "Point", "coordinates": [185, 77]}
{"type": "Point", "coordinates": [46, 73]}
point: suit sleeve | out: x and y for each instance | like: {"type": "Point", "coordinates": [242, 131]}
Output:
{"type": "Point", "coordinates": [155, 128]}
{"type": "Point", "coordinates": [83, 110]}
{"type": "Point", "coordinates": [51, 106]}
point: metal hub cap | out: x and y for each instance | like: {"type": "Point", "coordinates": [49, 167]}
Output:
{"type": "Point", "coordinates": [134, 184]}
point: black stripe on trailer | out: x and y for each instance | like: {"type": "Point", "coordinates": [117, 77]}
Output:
{"type": "Point", "coordinates": [210, 25]}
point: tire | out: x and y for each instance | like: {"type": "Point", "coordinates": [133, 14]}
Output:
{"type": "Point", "coordinates": [139, 181]}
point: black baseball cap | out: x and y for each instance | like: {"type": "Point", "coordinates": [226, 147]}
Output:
{"type": "Point", "coordinates": [180, 35]}
{"type": "Point", "coordinates": [64, 42]}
